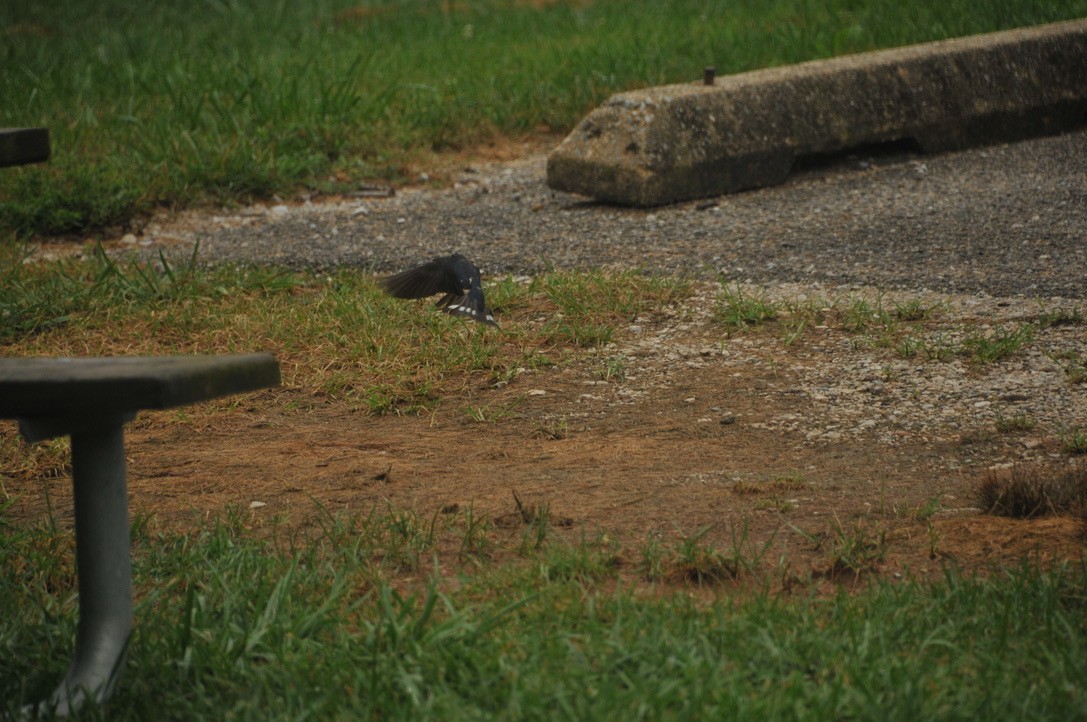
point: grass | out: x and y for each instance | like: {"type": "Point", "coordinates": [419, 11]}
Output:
{"type": "Point", "coordinates": [591, 304]}
{"type": "Point", "coordinates": [336, 336]}
{"type": "Point", "coordinates": [322, 96]}
{"type": "Point", "coordinates": [246, 626]}
{"type": "Point", "coordinates": [741, 310]}
{"type": "Point", "coordinates": [1026, 491]}
{"type": "Point", "coordinates": [909, 328]}
{"type": "Point", "coordinates": [1074, 440]}
{"type": "Point", "coordinates": [456, 615]}
{"type": "Point", "coordinates": [1000, 343]}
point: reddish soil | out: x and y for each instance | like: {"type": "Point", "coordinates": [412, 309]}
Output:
{"type": "Point", "coordinates": [658, 466]}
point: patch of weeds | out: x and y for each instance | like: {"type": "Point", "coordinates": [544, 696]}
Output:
{"type": "Point", "coordinates": [1072, 364]}
{"type": "Point", "coordinates": [508, 294]}
{"type": "Point", "coordinates": [775, 502]}
{"type": "Point", "coordinates": [1000, 343]}
{"type": "Point", "coordinates": [553, 429]}
{"type": "Point", "coordinates": [651, 564]}
{"type": "Point", "coordinates": [580, 333]}
{"type": "Point", "coordinates": [49, 459]}
{"type": "Point", "coordinates": [698, 562]}
{"type": "Point", "coordinates": [491, 413]}
{"type": "Point", "coordinates": [861, 315]}
{"type": "Point", "coordinates": [1077, 371]}
{"type": "Point", "coordinates": [538, 519]}
{"type": "Point", "coordinates": [912, 311]}
{"type": "Point", "coordinates": [386, 398]}
{"type": "Point", "coordinates": [934, 550]}
{"type": "Point", "coordinates": [475, 540]}
{"type": "Point", "coordinates": [612, 369]}
{"type": "Point", "coordinates": [1024, 492]}
{"type": "Point", "coordinates": [594, 297]}
{"type": "Point", "coordinates": [1074, 440]}
{"type": "Point", "coordinates": [1013, 423]}
{"type": "Point", "coordinates": [927, 510]}
{"type": "Point", "coordinates": [856, 551]}
{"type": "Point", "coordinates": [976, 436]}
{"type": "Point", "coordinates": [910, 346]}
{"type": "Point", "coordinates": [406, 538]}
{"type": "Point", "coordinates": [775, 485]}
{"type": "Point", "coordinates": [794, 329]}
{"type": "Point", "coordinates": [938, 349]}
{"type": "Point", "coordinates": [585, 562]}
{"type": "Point", "coordinates": [1060, 316]}
{"type": "Point", "coordinates": [734, 308]}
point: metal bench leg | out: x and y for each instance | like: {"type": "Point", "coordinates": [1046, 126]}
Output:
{"type": "Point", "coordinates": [104, 567]}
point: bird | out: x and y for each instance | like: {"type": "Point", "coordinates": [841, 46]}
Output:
{"type": "Point", "coordinates": [452, 275]}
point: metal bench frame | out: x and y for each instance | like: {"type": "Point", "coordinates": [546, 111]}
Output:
{"type": "Point", "coordinates": [91, 399]}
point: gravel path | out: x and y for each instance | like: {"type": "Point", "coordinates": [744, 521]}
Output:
{"type": "Point", "coordinates": [1003, 221]}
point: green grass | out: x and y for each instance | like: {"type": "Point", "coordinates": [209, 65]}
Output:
{"type": "Point", "coordinates": [909, 328]}
{"type": "Point", "coordinates": [1074, 440]}
{"type": "Point", "coordinates": [229, 626]}
{"type": "Point", "coordinates": [740, 310]}
{"type": "Point", "coordinates": [591, 304]}
{"type": "Point", "coordinates": [336, 336]}
{"type": "Point", "coordinates": [157, 103]}
{"type": "Point", "coordinates": [1000, 343]}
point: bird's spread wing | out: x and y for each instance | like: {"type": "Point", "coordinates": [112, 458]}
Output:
{"type": "Point", "coordinates": [418, 282]}
{"type": "Point", "coordinates": [454, 276]}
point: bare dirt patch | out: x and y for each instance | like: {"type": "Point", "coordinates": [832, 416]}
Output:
{"type": "Point", "coordinates": [810, 447]}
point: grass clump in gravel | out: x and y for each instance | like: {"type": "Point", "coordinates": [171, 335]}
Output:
{"type": "Point", "coordinates": [325, 95]}
{"type": "Point", "coordinates": [999, 343]}
{"type": "Point", "coordinates": [1073, 364]}
{"type": "Point", "coordinates": [1025, 491]}
{"type": "Point", "coordinates": [1074, 440]}
{"type": "Point", "coordinates": [1014, 423]}
{"type": "Point", "coordinates": [251, 624]}
{"type": "Point", "coordinates": [1060, 316]}
{"type": "Point", "coordinates": [737, 309]}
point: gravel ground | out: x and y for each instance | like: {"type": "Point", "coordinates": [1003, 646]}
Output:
{"type": "Point", "coordinates": [990, 237]}
{"type": "Point", "coordinates": [1005, 220]}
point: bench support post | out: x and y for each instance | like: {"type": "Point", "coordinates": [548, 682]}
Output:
{"type": "Point", "coordinates": [103, 565]}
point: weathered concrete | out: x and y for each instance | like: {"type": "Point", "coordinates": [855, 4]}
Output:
{"type": "Point", "coordinates": [678, 142]}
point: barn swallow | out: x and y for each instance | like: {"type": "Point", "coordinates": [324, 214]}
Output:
{"type": "Point", "coordinates": [455, 276]}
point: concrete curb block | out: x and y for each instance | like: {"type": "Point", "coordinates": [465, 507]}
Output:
{"type": "Point", "coordinates": [678, 142]}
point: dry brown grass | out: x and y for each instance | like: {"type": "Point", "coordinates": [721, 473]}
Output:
{"type": "Point", "coordinates": [1024, 492]}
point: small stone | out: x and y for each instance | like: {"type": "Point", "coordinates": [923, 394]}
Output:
{"type": "Point", "coordinates": [256, 504]}
{"type": "Point", "coordinates": [280, 210]}
{"type": "Point", "coordinates": [537, 392]}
